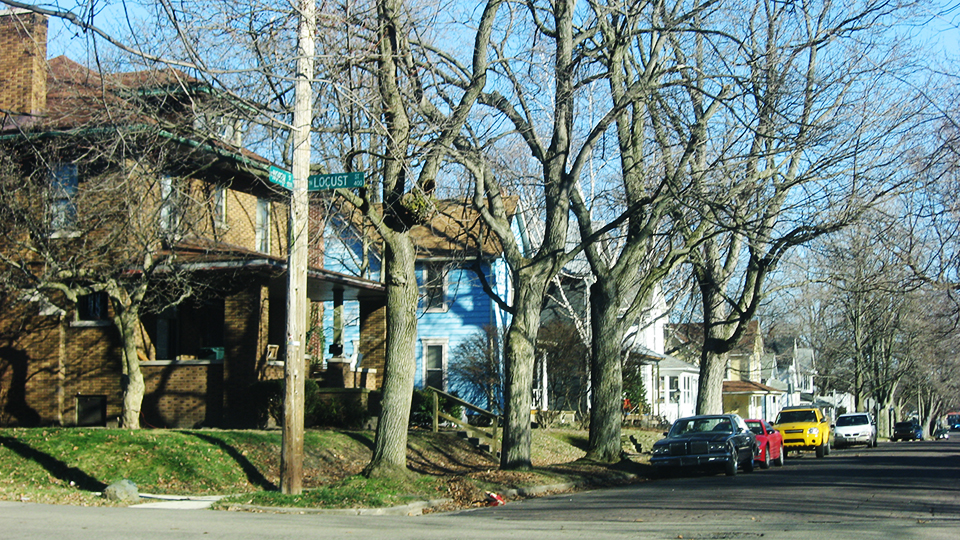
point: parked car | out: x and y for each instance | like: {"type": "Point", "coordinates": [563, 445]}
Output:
{"type": "Point", "coordinates": [770, 442]}
{"type": "Point", "coordinates": [804, 428]}
{"type": "Point", "coordinates": [855, 428]}
{"type": "Point", "coordinates": [907, 431]}
{"type": "Point", "coordinates": [704, 442]}
{"type": "Point", "coordinates": [942, 433]}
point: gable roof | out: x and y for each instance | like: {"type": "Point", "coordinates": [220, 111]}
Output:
{"type": "Point", "coordinates": [455, 231]}
{"type": "Point", "coordinates": [748, 387]}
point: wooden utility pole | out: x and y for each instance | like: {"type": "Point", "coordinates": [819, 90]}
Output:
{"type": "Point", "coordinates": [291, 455]}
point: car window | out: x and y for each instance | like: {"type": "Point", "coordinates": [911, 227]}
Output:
{"type": "Point", "coordinates": [701, 425]}
{"type": "Point", "coordinates": [789, 417]}
{"type": "Point", "coordinates": [856, 420]}
{"type": "Point", "coordinates": [755, 427]}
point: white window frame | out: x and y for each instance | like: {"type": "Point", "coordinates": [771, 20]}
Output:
{"type": "Point", "coordinates": [262, 229]}
{"type": "Point", "coordinates": [64, 184]}
{"type": "Point", "coordinates": [425, 344]}
{"type": "Point", "coordinates": [427, 267]}
{"type": "Point", "coordinates": [220, 207]}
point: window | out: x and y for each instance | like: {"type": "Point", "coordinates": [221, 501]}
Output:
{"type": "Point", "coordinates": [92, 307]}
{"type": "Point", "coordinates": [220, 206]}
{"type": "Point", "coordinates": [434, 287]}
{"type": "Point", "coordinates": [674, 389]}
{"type": "Point", "coordinates": [170, 202]}
{"type": "Point", "coordinates": [63, 190]}
{"type": "Point", "coordinates": [263, 226]}
{"type": "Point", "coordinates": [434, 364]}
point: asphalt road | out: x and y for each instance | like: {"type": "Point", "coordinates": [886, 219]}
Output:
{"type": "Point", "coordinates": [898, 490]}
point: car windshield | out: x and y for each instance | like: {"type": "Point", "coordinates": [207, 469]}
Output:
{"type": "Point", "coordinates": [903, 425]}
{"type": "Point", "coordinates": [857, 420]}
{"type": "Point", "coordinates": [789, 417]}
{"type": "Point", "coordinates": [686, 426]}
{"type": "Point", "coordinates": [755, 427]}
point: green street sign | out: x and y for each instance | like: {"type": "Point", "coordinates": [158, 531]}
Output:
{"type": "Point", "coordinates": [318, 182]}
{"type": "Point", "coordinates": [281, 177]}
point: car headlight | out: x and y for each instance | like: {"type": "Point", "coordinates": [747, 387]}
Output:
{"type": "Point", "coordinates": [813, 431]}
{"type": "Point", "coordinates": [660, 450]}
{"type": "Point", "coordinates": [716, 448]}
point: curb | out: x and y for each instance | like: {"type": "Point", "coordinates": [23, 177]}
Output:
{"type": "Point", "coordinates": [411, 509]}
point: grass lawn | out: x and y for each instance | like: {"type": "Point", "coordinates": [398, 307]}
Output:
{"type": "Point", "coordinates": [71, 465]}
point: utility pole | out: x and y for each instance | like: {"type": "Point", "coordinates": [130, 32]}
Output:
{"type": "Point", "coordinates": [291, 454]}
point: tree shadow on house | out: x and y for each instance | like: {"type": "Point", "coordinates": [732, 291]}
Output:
{"type": "Point", "coordinates": [15, 405]}
{"type": "Point", "coordinates": [54, 466]}
{"type": "Point", "coordinates": [254, 476]}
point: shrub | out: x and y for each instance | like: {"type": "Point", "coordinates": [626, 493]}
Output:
{"type": "Point", "coordinates": [266, 401]}
{"type": "Point", "coordinates": [421, 409]}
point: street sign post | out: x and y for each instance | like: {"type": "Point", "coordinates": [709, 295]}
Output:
{"type": "Point", "coordinates": [318, 182]}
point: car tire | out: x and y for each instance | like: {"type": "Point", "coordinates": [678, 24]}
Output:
{"type": "Point", "coordinates": [765, 462]}
{"type": "Point", "coordinates": [873, 444]}
{"type": "Point", "coordinates": [731, 467]}
{"type": "Point", "coordinates": [748, 465]}
{"type": "Point", "coordinates": [821, 452]}
{"type": "Point", "coordinates": [779, 461]}
{"type": "Point", "coordinates": [826, 449]}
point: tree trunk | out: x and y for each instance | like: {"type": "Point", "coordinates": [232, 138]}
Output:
{"type": "Point", "coordinates": [713, 365]}
{"type": "Point", "coordinates": [390, 445]}
{"type": "Point", "coordinates": [606, 396]}
{"type": "Point", "coordinates": [519, 355]}
{"type": "Point", "coordinates": [128, 320]}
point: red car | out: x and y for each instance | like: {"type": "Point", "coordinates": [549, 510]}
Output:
{"type": "Point", "coordinates": [770, 442]}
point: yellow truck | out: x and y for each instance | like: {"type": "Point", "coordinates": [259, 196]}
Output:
{"type": "Point", "coordinates": [804, 428]}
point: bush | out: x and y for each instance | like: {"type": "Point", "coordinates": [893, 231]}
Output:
{"type": "Point", "coordinates": [266, 401]}
{"type": "Point", "coordinates": [421, 409]}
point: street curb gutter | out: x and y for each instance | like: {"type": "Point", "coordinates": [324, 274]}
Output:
{"type": "Point", "coordinates": [411, 509]}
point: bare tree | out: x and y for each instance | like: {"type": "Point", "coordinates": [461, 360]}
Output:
{"type": "Point", "coordinates": [807, 142]}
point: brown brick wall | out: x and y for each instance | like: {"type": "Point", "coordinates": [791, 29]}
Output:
{"type": "Point", "coordinates": [183, 396]}
{"type": "Point", "coordinates": [23, 62]}
{"type": "Point", "coordinates": [373, 337]}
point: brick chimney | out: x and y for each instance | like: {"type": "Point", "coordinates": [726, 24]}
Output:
{"type": "Point", "coordinates": [23, 62]}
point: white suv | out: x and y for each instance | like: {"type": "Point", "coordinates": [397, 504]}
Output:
{"type": "Point", "coordinates": [855, 428]}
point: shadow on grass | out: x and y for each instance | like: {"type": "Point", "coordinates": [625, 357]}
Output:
{"type": "Point", "coordinates": [54, 466]}
{"type": "Point", "coordinates": [254, 476]}
{"type": "Point", "coordinates": [360, 438]}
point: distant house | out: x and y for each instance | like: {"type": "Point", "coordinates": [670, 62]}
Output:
{"type": "Point", "coordinates": [671, 383]}
{"type": "Point", "coordinates": [60, 362]}
{"type": "Point", "coordinates": [458, 260]}
{"type": "Point", "coordinates": [744, 392]}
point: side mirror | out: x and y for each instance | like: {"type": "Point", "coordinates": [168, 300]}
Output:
{"type": "Point", "coordinates": [665, 433]}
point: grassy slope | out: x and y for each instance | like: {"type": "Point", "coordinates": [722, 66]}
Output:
{"type": "Point", "coordinates": [56, 465]}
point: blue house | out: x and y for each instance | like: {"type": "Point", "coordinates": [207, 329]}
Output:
{"type": "Point", "coordinates": [456, 259]}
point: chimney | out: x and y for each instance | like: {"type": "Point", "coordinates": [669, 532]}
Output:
{"type": "Point", "coordinates": [23, 63]}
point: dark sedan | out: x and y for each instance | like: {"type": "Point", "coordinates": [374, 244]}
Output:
{"type": "Point", "coordinates": [907, 431]}
{"type": "Point", "coordinates": [719, 441]}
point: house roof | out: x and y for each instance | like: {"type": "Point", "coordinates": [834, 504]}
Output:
{"type": "Point", "coordinates": [748, 387]}
{"type": "Point", "coordinates": [691, 335]}
{"type": "Point", "coordinates": [455, 231]}
{"type": "Point", "coordinates": [80, 99]}
{"type": "Point", "coordinates": [198, 254]}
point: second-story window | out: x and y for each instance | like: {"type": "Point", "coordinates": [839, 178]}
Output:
{"type": "Point", "coordinates": [170, 205]}
{"type": "Point", "coordinates": [434, 287]}
{"type": "Point", "coordinates": [92, 307]}
{"type": "Point", "coordinates": [63, 190]}
{"type": "Point", "coordinates": [263, 226]}
{"type": "Point", "coordinates": [220, 206]}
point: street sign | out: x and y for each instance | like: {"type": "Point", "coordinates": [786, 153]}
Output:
{"type": "Point", "coordinates": [281, 177]}
{"type": "Point", "coordinates": [318, 182]}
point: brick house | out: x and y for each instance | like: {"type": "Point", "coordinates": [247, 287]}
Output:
{"type": "Point", "coordinates": [60, 361]}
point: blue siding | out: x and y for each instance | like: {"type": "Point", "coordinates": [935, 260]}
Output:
{"type": "Point", "coordinates": [469, 309]}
